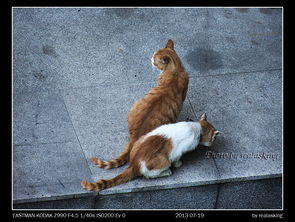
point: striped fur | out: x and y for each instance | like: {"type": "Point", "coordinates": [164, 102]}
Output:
{"type": "Point", "coordinates": [118, 161]}
{"type": "Point", "coordinates": [125, 176]}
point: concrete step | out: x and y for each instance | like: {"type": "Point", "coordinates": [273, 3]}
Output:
{"type": "Point", "coordinates": [70, 102]}
{"type": "Point", "coordinates": [251, 194]}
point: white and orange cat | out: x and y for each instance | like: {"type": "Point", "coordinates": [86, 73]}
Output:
{"type": "Point", "coordinates": [161, 105]}
{"type": "Point", "coordinates": [153, 154]}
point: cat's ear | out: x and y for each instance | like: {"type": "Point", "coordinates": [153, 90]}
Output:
{"type": "Point", "coordinates": [165, 60]}
{"type": "Point", "coordinates": [170, 44]}
{"type": "Point", "coordinates": [216, 132]}
{"type": "Point", "coordinates": [204, 117]}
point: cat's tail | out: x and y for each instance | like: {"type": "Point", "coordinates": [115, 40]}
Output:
{"type": "Point", "coordinates": [125, 176]}
{"type": "Point", "coordinates": [118, 161]}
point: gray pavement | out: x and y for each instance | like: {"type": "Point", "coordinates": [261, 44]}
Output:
{"type": "Point", "coordinates": [77, 72]}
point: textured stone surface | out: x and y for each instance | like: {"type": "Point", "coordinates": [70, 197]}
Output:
{"type": "Point", "coordinates": [76, 73]}
{"type": "Point", "coordinates": [48, 171]}
{"type": "Point", "coordinates": [40, 116]}
{"type": "Point", "coordinates": [73, 203]}
{"type": "Point", "coordinates": [67, 48]}
{"type": "Point", "coordinates": [201, 197]}
{"type": "Point", "coordinates": [249, 115]}
{"type": "Point", "coordinates": [258, 194]}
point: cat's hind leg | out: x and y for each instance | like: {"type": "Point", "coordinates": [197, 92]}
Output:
{"type": "Point", "coordinates": [156, 173]}
{"type": "Point", "coordinates": [148, 170]}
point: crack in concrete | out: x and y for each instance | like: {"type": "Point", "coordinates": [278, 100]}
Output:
{"type": "Point", "coordinates": [34, 144]}
{"type": "Point", "coordinates": [76, 136]}
{"type": "Point", "coordinates": [194, 113]}
{"type": "Point", "coordinates": [61, 183]}
{"type": "Point", "coordinates": [216, 167]}
{"type": "Point", "coordinates": [217, 196]}
{"type": "Point", "coordinates": [237, 73]}
{"type": "Point", "coordinates": [155, 81]}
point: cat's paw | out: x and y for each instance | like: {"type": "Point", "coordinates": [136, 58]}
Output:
{"type": "Point", "coordinates": [177, 164]}
{"type": "Point", "coordinates": [168, 172]}
{"type": "Point", "coordinates": [165, 173]}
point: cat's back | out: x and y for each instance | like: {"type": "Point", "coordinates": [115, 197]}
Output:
{"type": "Point", "coordinates": [179, 130]}
{"type": "Point", "coordinates": [163, 103]}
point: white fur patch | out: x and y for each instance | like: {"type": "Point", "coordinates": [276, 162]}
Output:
{"type": "Point", "coordinates": [152, 59]}
{"type": "Point", "coordinates": [150, 173]}
{"type": "Point", "coordinates": [185, 137]}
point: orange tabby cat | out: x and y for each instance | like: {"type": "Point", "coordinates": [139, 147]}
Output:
{"type": "Point", "coordinates": [152, 154]}
{"type": "Point", "coordinates": [161, 105]}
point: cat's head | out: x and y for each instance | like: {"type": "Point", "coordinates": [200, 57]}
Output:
{"type": "Point", "coordinates": [209, 133]}
{"type": "Point", "coordinates": [163, 57]}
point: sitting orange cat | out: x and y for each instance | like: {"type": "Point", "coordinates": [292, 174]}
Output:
{"type": "Point", "coordinates": [161, 105]}
{"type": "Point", "coordinates": [153, 154]}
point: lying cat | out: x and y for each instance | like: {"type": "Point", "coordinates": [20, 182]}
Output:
{"type": "Point", "coordinates": [161, 105]}
{"type": "Point", "coordinates": [154, 153]}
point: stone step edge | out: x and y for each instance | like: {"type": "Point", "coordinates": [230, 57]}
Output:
{"type": "Point", "coordinates": [151, 188]}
